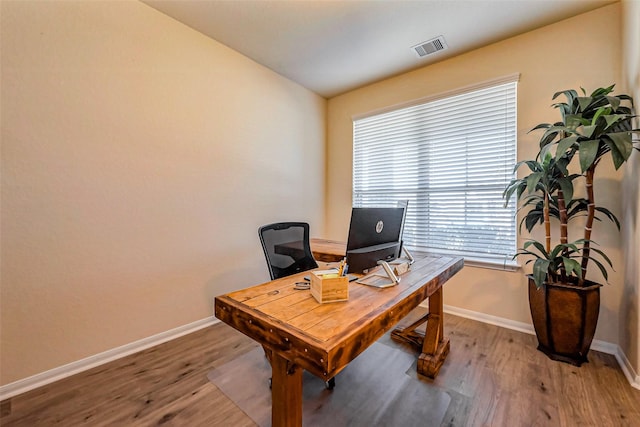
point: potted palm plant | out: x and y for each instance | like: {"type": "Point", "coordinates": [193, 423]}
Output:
{"type": "Point", "coordinates": [564, 303]}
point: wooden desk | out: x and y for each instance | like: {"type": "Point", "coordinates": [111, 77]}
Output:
{"type": "Point", "coordinates": [322, 249]}
{"type": "Point", "coordinates": [328, 250]}
{"type": "Point", "coordinates": [299, 333]}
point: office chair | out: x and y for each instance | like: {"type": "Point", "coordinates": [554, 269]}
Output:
{"type": "Point", "coordinates": [288, 251]}
{"type": "Point", "coordinates": [286, 248]}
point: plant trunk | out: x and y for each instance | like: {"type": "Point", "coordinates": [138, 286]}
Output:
{"type": "Point", "coordinates": [547, 223]}
{"type": "Point", "coordinates": [591, 212]}
{"type": "Point", "coordinates": [564, 238]}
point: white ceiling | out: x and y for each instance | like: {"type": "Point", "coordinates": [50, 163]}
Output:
{"type": "Point", "coordinates": [331, 47]}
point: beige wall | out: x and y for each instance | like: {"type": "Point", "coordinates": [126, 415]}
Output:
{"type": "Point", "coordinates": [582, 51]}
{"type": "Point", "coordinates": [630, 306]}
{"type": "Point", "coordinates": [138, 160]}
{"type": "Point", "coordinates": [139, 157]}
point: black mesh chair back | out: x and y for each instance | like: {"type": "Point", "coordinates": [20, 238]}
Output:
{"type": "Point", "coordinates": [287, 249]}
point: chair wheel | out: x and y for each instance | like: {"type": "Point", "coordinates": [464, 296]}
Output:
{"type": "Point", "coordinates": [270, 383]}
{"type": "Point", "coordinates": [330, 384]}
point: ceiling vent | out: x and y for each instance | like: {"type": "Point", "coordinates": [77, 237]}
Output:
{"type": "Point", "coordinates": [429, 47]}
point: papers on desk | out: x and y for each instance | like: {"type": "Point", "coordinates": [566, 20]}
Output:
{"type": "Point", "coordinates": [325, 272]}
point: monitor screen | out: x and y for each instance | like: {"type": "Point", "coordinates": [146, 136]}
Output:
{"type": "Point", "coordinates": [374, 234]}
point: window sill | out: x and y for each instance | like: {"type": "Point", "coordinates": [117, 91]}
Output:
{"type": "Point", "coordinates": [478, 262]}
{"type": "Point", "coordinates": [492, 264]}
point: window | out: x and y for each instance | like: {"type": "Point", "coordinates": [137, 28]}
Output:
{"type": "Point", "coordinates": [452, 158]}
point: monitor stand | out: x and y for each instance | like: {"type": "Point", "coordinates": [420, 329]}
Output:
{"type": "Point", "coordinates": [378, 280]}
{"type": "Point", "coordinates": [387, 268]}
{"type": "Point", "coordinates": [407, 254]}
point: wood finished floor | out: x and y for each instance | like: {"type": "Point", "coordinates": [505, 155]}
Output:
{"type": "Point", "coordinates": [508, 382]}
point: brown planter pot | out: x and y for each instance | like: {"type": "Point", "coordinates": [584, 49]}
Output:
{"type": "Point", "coordinates": [565, 317]}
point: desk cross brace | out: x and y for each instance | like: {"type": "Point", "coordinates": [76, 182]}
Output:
{"type": "Point", "coordinates": [431, 344]}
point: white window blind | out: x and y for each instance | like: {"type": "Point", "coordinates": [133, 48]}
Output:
{"type": "Point", "coordinates": [452, 159]}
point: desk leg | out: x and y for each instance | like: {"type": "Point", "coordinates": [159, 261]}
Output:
{"type": "Point", "coordinates": [432, 345]}
{"type": "Point", "coordinates": [435, 346]}
{"type": "Point", "coordinates": [286, 392]}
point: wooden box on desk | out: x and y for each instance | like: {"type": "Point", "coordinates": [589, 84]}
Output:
{"type": "Point", "coordinates": [329, 287]}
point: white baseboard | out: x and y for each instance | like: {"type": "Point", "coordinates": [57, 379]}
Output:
{"type": "Point", "coordinates": [627, 369]}
{"type": "Point", "coordinates": [55, 374]}
{"type": "Point", "coordinates": [597, 345]}
{"type": "Point", "coordinates": [527, 328]}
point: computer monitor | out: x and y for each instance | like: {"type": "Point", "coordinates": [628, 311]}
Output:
{"type": "Point", "coordinates": [374, 234]}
